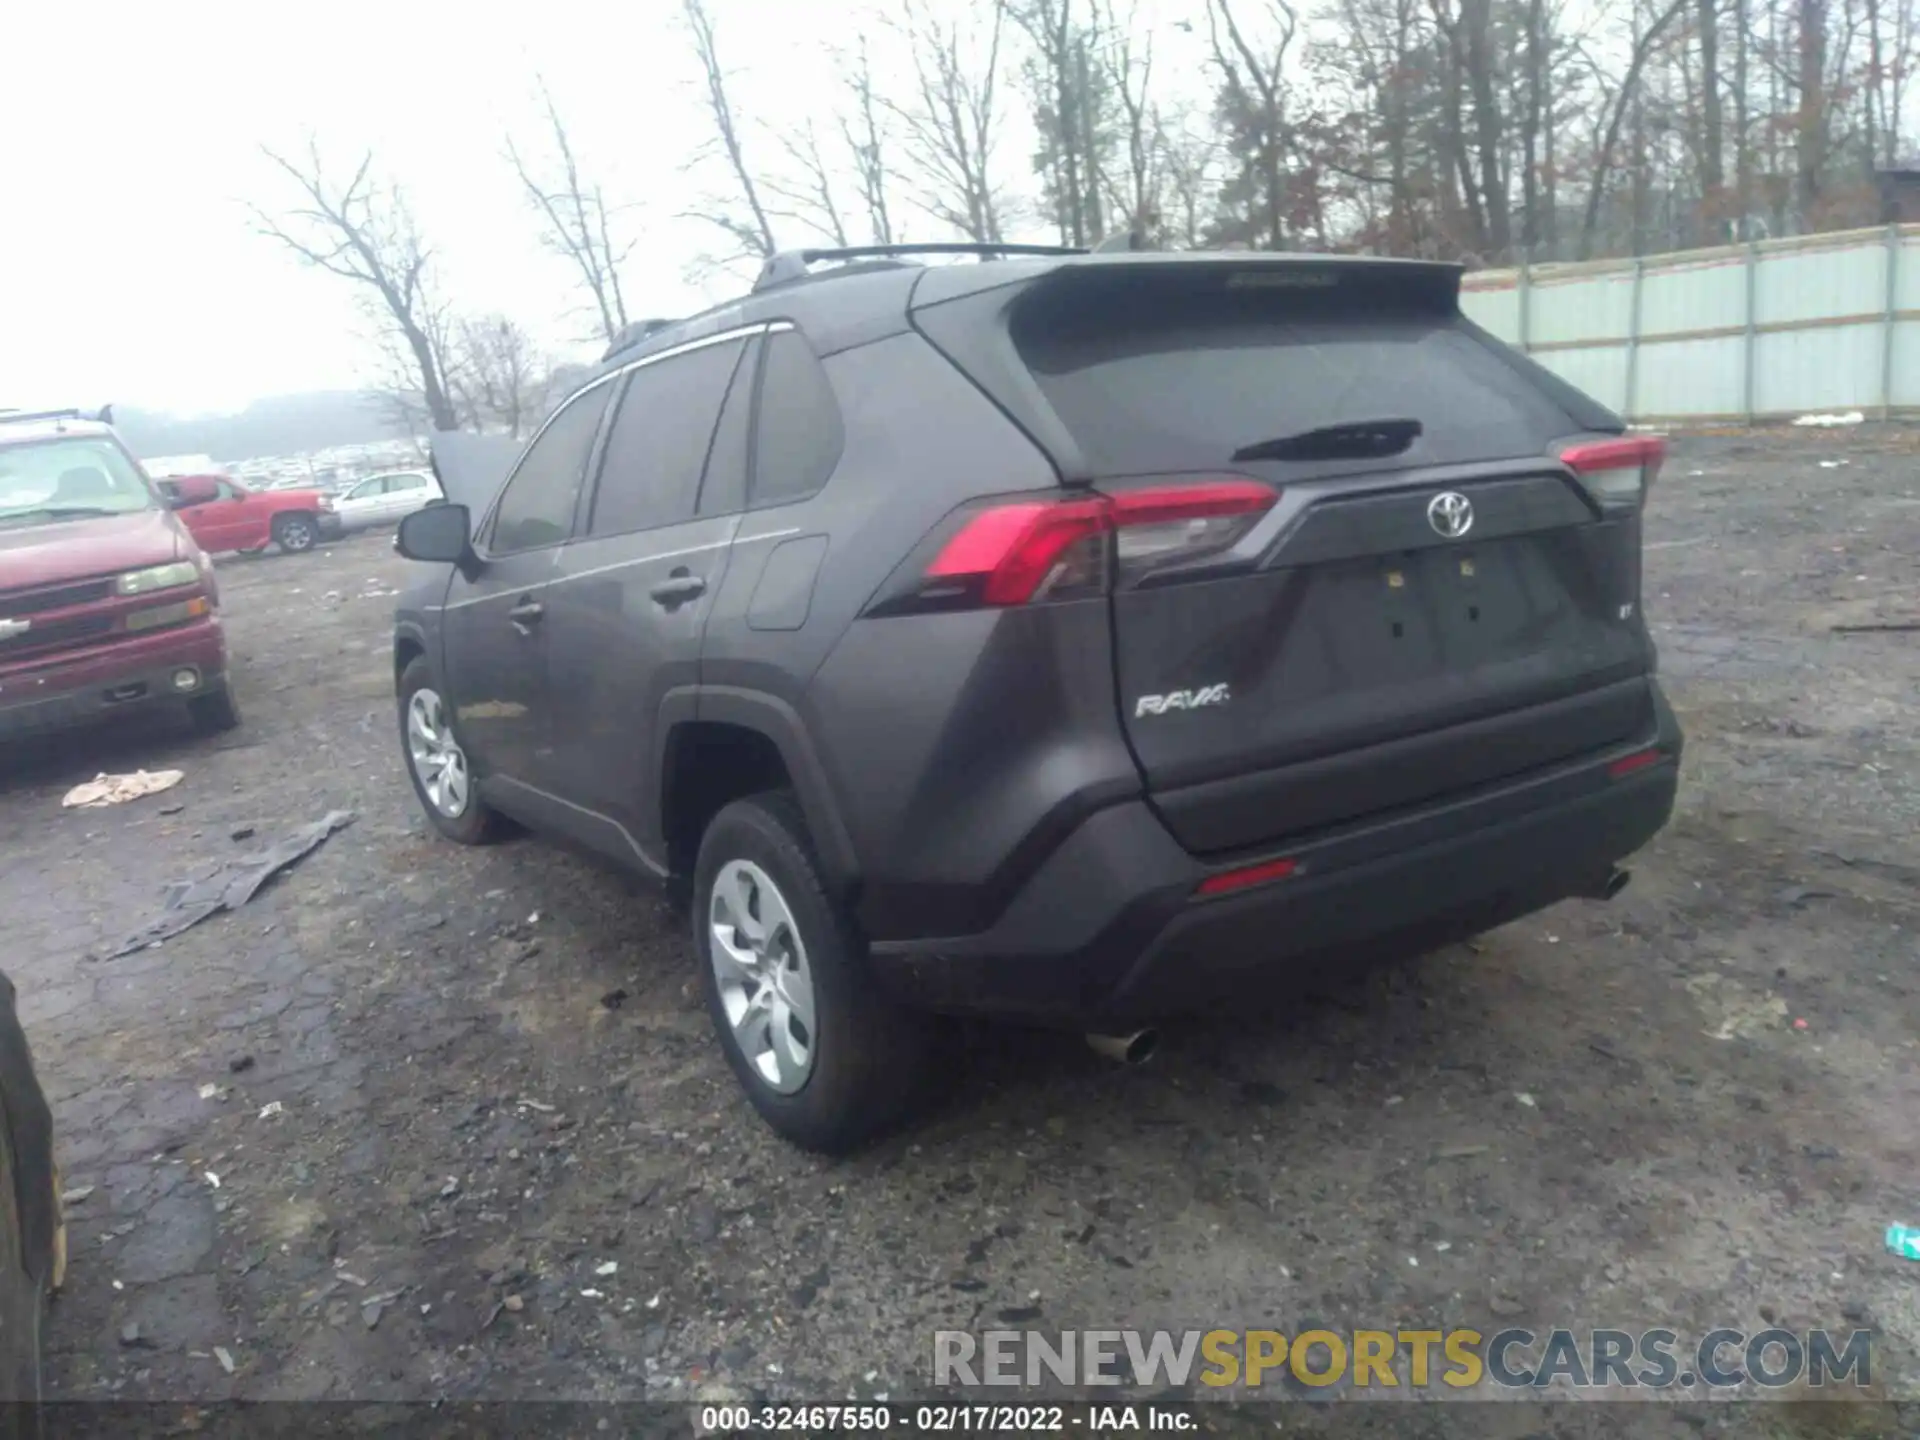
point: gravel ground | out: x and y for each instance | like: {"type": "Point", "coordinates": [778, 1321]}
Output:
{"type": "Point", "coordinates": [450, 1089]}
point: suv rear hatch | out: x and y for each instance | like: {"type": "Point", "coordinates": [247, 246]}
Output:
{"type": "Point", "coordinates": [1361, 555]}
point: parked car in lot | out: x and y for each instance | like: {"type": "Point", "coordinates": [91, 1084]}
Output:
{"type": "Point", "coordinates": [384, 500]}
{"type": "Point", "coordinates": [223, 514]}
{"type": "Point", "coordinates": [1074, 638]}
{"type": "Point", "coordinates": [106, 602]}
{"type": "Point", "coordinates": [32, 1236]}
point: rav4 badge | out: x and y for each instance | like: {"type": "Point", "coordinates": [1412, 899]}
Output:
{"type": "Point", "coordinates": [1181, 700]}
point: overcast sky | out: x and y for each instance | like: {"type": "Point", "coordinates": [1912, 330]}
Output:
{"type": "Point", "coordinates": [129, 268]}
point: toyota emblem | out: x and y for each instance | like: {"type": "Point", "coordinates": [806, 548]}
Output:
{"type": "Point", "coordinates": [1450, 513]}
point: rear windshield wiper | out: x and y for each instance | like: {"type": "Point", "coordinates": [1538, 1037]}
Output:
{"type": "Point", "coordinates": [1355, 440]}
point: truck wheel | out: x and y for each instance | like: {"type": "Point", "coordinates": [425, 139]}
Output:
{"type": "Point", "coordinates": [215, 712]}
{"type": "Point", "coordinates": [295, 533]}
{"type": "Point", "coordinates": [437, 763]}
{"type": "Point", "coordinates": [827, 1060]}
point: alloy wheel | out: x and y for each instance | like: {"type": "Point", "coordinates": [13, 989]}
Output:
{"type": "Point", "coordinates": [439, 764]}
{"type": "Point", "coordinates": [760, 965]}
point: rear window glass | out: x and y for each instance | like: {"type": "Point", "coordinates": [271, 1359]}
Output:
{"type": "Point", "coordinates": [1157, 387]}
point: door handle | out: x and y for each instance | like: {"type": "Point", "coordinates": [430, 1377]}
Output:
{"type": "Point", "coordinates": [526, 615]}
{"type": "Point", "coordinates": [677, 587]}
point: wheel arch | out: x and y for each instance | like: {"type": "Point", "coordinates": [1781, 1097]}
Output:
{"type": "Point", "coordinates": [409, 644]}
{"type": "Point", "coordinates": [693, 713]}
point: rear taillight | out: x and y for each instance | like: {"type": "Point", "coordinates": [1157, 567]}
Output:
{"type": "Point", "coordinates": [1022, 551]}
{"type": "Point", "coordinates": [1617, 473]}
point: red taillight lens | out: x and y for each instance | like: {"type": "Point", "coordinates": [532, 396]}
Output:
{"type": "Point", "coordinates": [1229, 880]}
{"type": "Point", "coordinates": [1617, 473]}
{"type": "Point", "coordinates": [1027, 550]}
{"type": "Point", "coordinates": [1015, 553]}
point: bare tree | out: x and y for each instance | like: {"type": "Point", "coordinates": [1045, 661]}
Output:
{"type": "Point", "coordinates": [574, 219]}
{"type": "Point", "coordinates": [950, 123]}
{"type": "Point", "coordinates": [1069, 84]}
{"type": "Point", "coordinates": [867, 141]}
{"type": "Point", "coordinates": [1129, 69]}
{"type": "Point", "coordinates": [1254, 104]}
{"type": "Point", "coordinates": [1188, 158]}
{"type": "Point", "coordinates": [500, 378]}
{"type": "Point", "coordinates": [364, 231]}
{"type": "Point", "coordinates": [1629, 89]}
{"type": "Point", "coordinates": [811, 196]}
{"type": "Point", "coordinates": [745, 218]}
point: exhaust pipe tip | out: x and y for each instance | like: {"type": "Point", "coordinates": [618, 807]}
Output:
{"type": "Point", "coordinates": [1609, 885]}
{"type": "Point", "coordinates": [1133, 1048]}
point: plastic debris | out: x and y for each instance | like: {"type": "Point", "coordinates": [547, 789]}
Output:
{"type": "Point", "coordinates": [607, 1267]}
{"type": "Point", "coordinates": [1830, 421]}
{"type": "Point", "coordinates": [1525, 1099]}
{"type": "Point", "coordinates": [1904, 1241]}
{"type": "Point", "coordinates": [212, 1179]}
{"type": "Point", "coordinates": [231, 885]}
{"type": "Point", "coordinates": [105, 789]}
{"type": "Point", "coordinates": [75, 1195]}
{"type": "Point", "coordinates": [271, 1109]}
{"type": "Point", "coordinates": [225, 1359]}
{"type": "Point", "coordinates": [209, 1091]}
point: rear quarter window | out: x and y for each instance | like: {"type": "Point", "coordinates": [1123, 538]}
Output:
{"type": "Point", "coordinates": [798, 432]}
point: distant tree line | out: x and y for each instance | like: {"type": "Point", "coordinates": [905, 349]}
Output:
{"type": "Point", "coordinates": [1486, 131]}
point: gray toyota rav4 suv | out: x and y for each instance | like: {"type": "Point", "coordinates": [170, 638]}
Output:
{"type": "Point", "coordinates": [1066, 637]}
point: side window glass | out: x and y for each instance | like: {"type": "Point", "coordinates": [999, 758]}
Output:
{"type": "Point", "coordinates": [724, 491]}
{"type": "Point", "coordinates": [537, 506]}
{"type": "Point", "coordinates": [798, 434]}
{"type": "Point", "coordinates": [657, 446]}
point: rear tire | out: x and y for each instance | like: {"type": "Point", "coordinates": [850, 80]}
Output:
{"type": "Point", "coordinates": [867, 1060]}
{"type": "Point", "coordinates": [472, 821]}
{"type": "Point", "coordinates": [296, 533]}
{"type": "Point", "coordinates": [216, 712]}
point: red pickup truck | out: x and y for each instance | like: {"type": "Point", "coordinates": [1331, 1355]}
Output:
{"type": "Point", "coordinates": [222, 514]}
{"type": "Point", "coordinates": [106, 601]}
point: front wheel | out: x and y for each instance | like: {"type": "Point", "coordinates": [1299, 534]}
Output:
{"type": "Point", "coordinates": [215, 712]}
{"type": "Point", "coordinates": [826, 1059]}
{"type": "Point", "coordinates": [437, 762]}
{"type": "Point", "coordinates": [296, 533]}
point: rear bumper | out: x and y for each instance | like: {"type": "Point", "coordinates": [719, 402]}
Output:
{"type": "Point", "coordinates": [1109, 930]}
{"type": "Point", "coordinates": [124, 675]}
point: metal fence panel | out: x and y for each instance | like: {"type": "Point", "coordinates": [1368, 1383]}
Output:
{"type": "Point", "coordinates": [1752, 332]}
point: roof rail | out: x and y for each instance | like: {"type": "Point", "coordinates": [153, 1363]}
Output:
{"type": "Point", "coordinates": [632, 334]}
{"type": "Point", "coordinates": [788, 266]}
{"type": "Point", "coordinates": [22, 417]}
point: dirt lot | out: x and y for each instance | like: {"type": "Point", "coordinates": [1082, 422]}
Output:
{"type": "Point", "coordinates": [494, 1080]}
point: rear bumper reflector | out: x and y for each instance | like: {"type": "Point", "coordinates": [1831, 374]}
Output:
{"type": "Point", "coordinates": [1230, 880]}
{"type": "Point", "coordinates": [1639, 760]}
